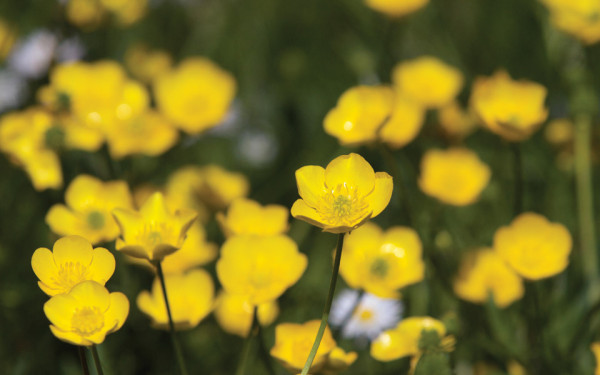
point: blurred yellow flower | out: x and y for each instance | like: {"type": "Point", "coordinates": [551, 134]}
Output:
{"type": "Point", "coordinates": [154, 232]}
{"type": "Point", "coordinates": [403, 340]}
{"type": "Point", "coordinates": [245, 216]}
{"type": "Point", "coordinates": [71, 261]}
{"type": "Point", "coordinates": [515, 368]}
{"type": "Point", "coordinates": [484, 272]}
{"type": "Point", "coordinates": [87, 212]}
{"type": "Point", "coordinates": [338, 360]}
{"type": "Point", "coordinates": [220, 187]}
{"type": "Point", "coordinates": [396, 8]}
{"type": "Point", "coordinates": [147, 64]}
{"type": "Point", "coordinates": [359, 113]}
{"type": "Point", "coordinates": [427, 80]}
{"type": "Point", "coordinates": [234, 313]}
{"type": "Point", "coordinates": [533, 246]}
{"type": "Point", "coordinates": [182, 190]}
{"type": "Point", "coordinates": [595, 348]}
{"type": "Point", "coordinates": [127, 12]}
{"type": "Point", "coordinates": [196, 95]}
{"type": "Point", "coordinates": [509, 108]}
{"type": "Point", "coordinates": [86, 14]}
{"type": "Point", "coordinates": [576, 17]}
{"type": "Point", "coordinates": [8, 36]}
{"type": "Point", "coordinates": [261, 268]}
{"type": "Point", "coordinates": [382, 262]}
{"type": "Point", "coordinates": [560, 132]}
{"type": "Point", "coordinates": [86, 314]}
{"type": "Point", "coordinates": [455, 176]}
{"type": "Point", "coordinates": [405, 122]}
{"type": "Point", "coordinates": [343, 196]}
{"type": "Point", "coordinates": [455, 121]}
{"type": "Point", "coordinates": [191, 299]}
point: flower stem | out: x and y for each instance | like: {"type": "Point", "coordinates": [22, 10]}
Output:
{"type": "Point", "coordinates": [327, 308]}
{"type": "Point", "coordinates": [96, 360]}
{"type": "Point", "coordinates": [176, 346]}
{"type": "Point", "coordinates": [264, 353]}
{"type": "Point", "coordinates": [247, 344]}
{"type": "Point", "coordinates": [83, 360]}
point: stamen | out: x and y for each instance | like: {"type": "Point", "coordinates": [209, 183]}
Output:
{"type": "Point", "coordinates": [87, 320]}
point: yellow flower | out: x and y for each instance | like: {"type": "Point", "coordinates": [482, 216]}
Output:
{"type": "Point", "coordinates": [88, 210]}
{"type": "Point", "coordinates": [154, 232]}
{"type": "Point", "coordinates": [515, 368]}
{"type": "Point", "coordinates": [456, 176]}
{"type": "Point", "coordinates": [8, 37]}
{"type": "Point", "coordinates": [181, 190]}
{"type": "Point", "coordinates": [396, 8]}
{"type": "Point", "coordinates": [359, 113]}
{"type": "Point", "coordinates": [191, 299]}
{"type": "Point", "coordinates": [533, 246]}
{"type": "Point", "coordinates": [404, 123]}
{"type": "Point", "coordinates": [595, 348]}
{"type": "Point", "coordinates": [428, 81]}
{"type": "Point", "coordinates": [576, 17]}
{"type": "Point", "coordinates": [196, 95]}
{"type": "Point", "coordinates": [382, 262]}
{"type": "Point", "coordinates": [234, 313]}
{"type": "Point", "coordinates": [403, 340]}
{"type": "Point", "coordinates": [455, 121]}
{"type": "Point", "coordinates": [220, 187]}
{"type": "Point", "coordinates": [511, 109]}
{"type": "Point", "coordinates": [147, 64]}
{"type": "Point", "coordinates": [86, 314]}
{"type": "Point", "coordinates": [343, 196]}
{"type": "Point", "coordinates": [86, 14]}
{"type": "Point", "coordinates": [338, 360]}
{"type": "Point", "coordinates": [127, 12]}
{"type": "Point", "coordinates": [72, 261]}
{"type": "Point", "coordinates": [261, 268]}
{"type": "Point", "coordinates": [246, 216]}
{"type": "Point", "coordinates": [560, 132]}
{"type": "Point", "coordinates": [484, 272]}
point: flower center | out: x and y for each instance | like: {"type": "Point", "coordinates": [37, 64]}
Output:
{"type": "Point", "coordinates": [70, 274]}
{"type": "Point", "coordinates": [379, 268]}
{"type": "Point", "coordinates": [95, 220]}
{"type": "Point", "coordinates": [155, 233]}
{"type": "Point", "coordinates": [343, 206]}
{"type": "Point", "coordinates": [87, 320]}
{"type": "Point", "coordinates": [364, 315]}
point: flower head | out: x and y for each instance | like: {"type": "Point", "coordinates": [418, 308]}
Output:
{"type": "Point", "coordinates": [382, 262]}
{"type": "Point", "coordinates": [220, 187]}
{"type": "Point", "coordinates": [154, 232]}
{"type": "Point", "coordinates": [456, 176]}
{"type": "Point", "coordinates": [343, 196]}
{"type": "Point", "coordinates": [261, 268]}
{"type": "Point", "coordinates": [234, 313]}
{"type": "Point", "coordinates": [191, 299]}
{"type": "Point", "coordinates": [71, 261]}
{"type": "Point", "coordinates": [86, 314]}
{"type": "Point", "coordinates": [396, 8]}
{"type": "Point", "coordinates": [578, 18]}
{"type": "Point", "coordinates": [147, 64]}
{"type": "Point", "coordinates": [247, 217]}
{"type": "Point", "coordinates": [483, 273]}
{"type": "Point", "coordinates": [533, 246]}
{"type": "Point", "coordinates": [511, 109]}
{"type": "Point", "coordinates": [404, 123]}
{"type": "Point", "coordinates": [595, 348]}
{"type": "Point", "coordinates": [456, 122]}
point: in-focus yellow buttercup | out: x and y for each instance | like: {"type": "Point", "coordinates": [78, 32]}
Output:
{"type": "Point", "coordinates": [234, 313]}
{"type": "Point", "coordinates": [396, 8]}
{"type": "Point", "coordinates": [428, 81]}
{"type": "Point", "coordinates": [483, 273]}
{"type": "Point", "coordinates": [89, 203]}
{"type": "Point", "coordinates": [576, 17]}
{"type": "Point", "coordinates": [382, 262]}
{"type": "Point", "coordinates": [512, 109]}
{"type": "Point", "coordinates": [455, 121]}
{"type": "Point", "coordinates": [191, 299]}
{"type": "Point", "coordinates": [146, 64]}
{"type": "Point", "coordinates": [8, 36]}
{"type": "Point", "coordinates": [247, 217]}
{"type": "Point", "coordinates": [196, 95]}
{"type": "Point", "coordinates": [261, 268]}
{"type": "Point", "coordinates": [86, 314]}
{"type": "Point", "coordinates": [154, 232]}
{"type": "Point", "coordinates": [342, 196]}
{"type": "Point", "coordinates": [403, 340]}
{"type": "Point", "coordinates": [533, 246]}
{"type": "Point", "coordinates": [404, 123]}
{"type": "Point", "coordinates": [455, 176]}
{"type": "Point", "coordinates": [71, 261]}
{"type": "Point", "coordinates": [359, 113]}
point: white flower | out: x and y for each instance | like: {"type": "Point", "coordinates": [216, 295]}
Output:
{"type": "Point", "coordinates": [366, 318]}
{"type": "Point", "coordinates": [13, 90]}
{"type": "Point", "coordinates": [31, 56]}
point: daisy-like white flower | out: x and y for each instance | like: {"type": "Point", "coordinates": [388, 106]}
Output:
{"type": "Point", "coordinates": [364, 318]}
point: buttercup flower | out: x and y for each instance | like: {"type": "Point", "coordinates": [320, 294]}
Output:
{"type": "Point", "coordinates": [396, 8]}
{"type": "Point", "coordinates": [512, 109]}
{"type": "Point", "coordinates": [533, 246]}
{"type": "Point", "coordinates": [484, 272]}
{"type": "Point", "coordinates": [86, 14]}
{"type": "Point", "coordinates": [428, 81]}
{"type": "Point", "coordinates": [560, 132]}
{"type": "Point", "coordinates": [578, 18]}
{"type": "Point", "coordinates": [403, 340]}
{"type": "Point", "coordinates": [86, 314]}
{"type": "Point", "coordinates": [88, 210]}
{"type": "Point", "coordinates": [246, 216]}
{"type": "Point", "coordinates": [455, 176]}
{"type": "Point", "coordinates": [191, 299]}
{"type": "Point", "coordinates": [7, 39]}
{"type": "Point", "coordinates": [595, 348]}
{"type": "Point", "coordinates": [404, 123]}
{"type": "Point", "coordinates": [261, 268]}
{"type": "Point", "coordinates": [220, 187]}
{"type": "Point", "coordinates": [181, 190]}
{"type": "Point", "coordinates": [196, 95]}
{"type": "Point", "coordinates": [154, 232]}
{"type": "Point", "coordinates": [343, 196]}
{"type": "Point", "coordinates": [455, 121]}
{"type": "Point", "coordinates": [234, 313]}
{"type": "Point", "coordinates": [127, 12]}
{"type": "Point", "coordinates": [382, 262]}
{"type": "Point", "coordinates": [71, 261]}
{"type": "Point", "coordinates": [359, 113]}
{"type": "Point", "coordinates": [147, 64]}
{"type": "Point", "coordinates": [338, 360]}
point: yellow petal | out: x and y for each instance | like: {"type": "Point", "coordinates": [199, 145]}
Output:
{"type": "Point", "coordinates": [118, 310]}
{"type": "Point", "coordinates": [73, 249]}
{"type": "Point", "coordinates": [102, 266]}
{"type": "Point", "coordinates": [69, 337]}
{"type": "Point", "coordinates": [301, 210]}
{"type": "Point", "coordinates": [59, 310]}
{"type": "Point", "coordinates": [311, 183]}
{"type": "Point", "coordinates": [90, 293]}
{"type": "Point", "coordinates": [61, 220]}
{"type": "Point", "coordinates": [82, 192]}
{"type": "Point", "coordinates": [350, 170]}
{"type": "Point", "coordinates": [43, 265]}
{"type": "Point", "coordinates": [382, 193]}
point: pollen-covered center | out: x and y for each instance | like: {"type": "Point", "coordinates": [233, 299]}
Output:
{"type": "Point", "coordinates": [343, 205]}
{"type": "Point", "coordinates": [87, 320]}
{"type": "Point", "coordinates": [364, 315]}
{"type": "Point", "coordinates": [95, 220]}
{"type": "Point", "coordinates": [379, 268]}
{"type": "Point", "coordinates": [69, 274]}
{"type": "Point", "coordinates": [156, 233]}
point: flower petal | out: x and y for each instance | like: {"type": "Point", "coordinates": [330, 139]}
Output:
{"type": "Point", "coordinates": [382, 193]}
{"type": "Point", "coordinates": [102, 266]}
{"type": "Point", "coordinates": [90, 293]}
{"type": "Point", "coordinates": [350, 170]}
{"type": "Point", "coordinates": [43, 265]}
{"type": "Point", "coordinates": [311, 183]}
{"type": "Point", "coordinates": [117, 312]}
{"type": "Point", "coordinates": [69, 337]}
{"type": "Point", "coordinates": [62, 221]}
{"type": "Point", "coordinates": [59, 310]}
{"type": "Point", "coordinates": [82, 192]}
{"type": "Point", "coordinates": [301, 210]}
{"type": "Point", "coordinates": [74, 249]}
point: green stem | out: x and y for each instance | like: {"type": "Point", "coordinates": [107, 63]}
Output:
{"type": "Point", "coordinates": [176, 346]}
{"type": "Point", "coordinates": [327, 308]}
{"type": "Point", "coordinates": [96, 360]}
{"type": "Point", "coordinates": [264, 353]}
{"type": "Point", "coordinates": [247, 344]}
{"type": "Point", "coordinates": [83, 360]}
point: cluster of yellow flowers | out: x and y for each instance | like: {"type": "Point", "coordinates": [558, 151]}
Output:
{"type": "Point", "coordinates": [90, 14]}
